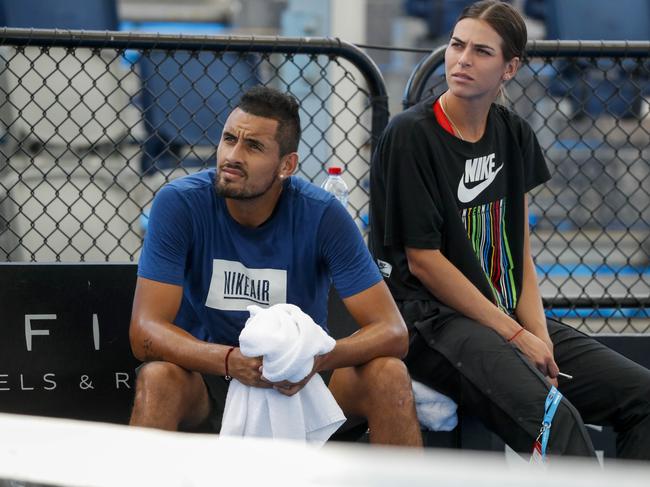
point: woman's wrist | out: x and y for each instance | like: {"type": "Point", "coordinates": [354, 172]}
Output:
{"type": "Point", "coordinates": [506, 326]}
{"type": "Point", "coordinates": [516, 334]}
{"type": "Point", "coordinates": [540, 330]}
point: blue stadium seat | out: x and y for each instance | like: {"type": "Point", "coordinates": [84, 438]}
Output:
{"type": "Point", "coordinates": [61, 14]}
{"type": "Point", "coordinates": [619, 94]}
{"type": "Point", "coordinates": [597, 19]}
{"type": "Point", "coordinates": [186, 99]}
{"type": "Point", "coordinates": [440, 15]}
{"type": "Point", "coordinates": [187, 96]}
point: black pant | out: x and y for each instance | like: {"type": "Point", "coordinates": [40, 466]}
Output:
{"type": "Point", "coordinates": [492, 380]}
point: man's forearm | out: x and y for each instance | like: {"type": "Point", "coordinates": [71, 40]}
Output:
{"type": "Point", "coordinates": [382, 330]}
{"type": "Point", "coordinates": [372, 341]}
{"type": "Point", "coordinates": [154, 336]}
{"type": "Point", "coordinates": [160, 341]}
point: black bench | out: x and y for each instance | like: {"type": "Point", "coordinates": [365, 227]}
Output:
{"type": "Point", "coordinates": [65, 352]}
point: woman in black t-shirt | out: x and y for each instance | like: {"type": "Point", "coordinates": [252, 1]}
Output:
{"type": "Point", "coordinates": [449, 229]}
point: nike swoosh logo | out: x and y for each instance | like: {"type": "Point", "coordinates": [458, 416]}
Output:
{"type": "Point", "coordinates": [465, 194]}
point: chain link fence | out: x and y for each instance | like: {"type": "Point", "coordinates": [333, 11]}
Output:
{"type": "Point", "coordinates": [588, 104]}
{"type": "Point", "coordinates": [92, 124]}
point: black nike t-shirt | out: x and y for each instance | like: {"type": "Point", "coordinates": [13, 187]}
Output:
{"type": "Point", "coordinates": [432, 190]}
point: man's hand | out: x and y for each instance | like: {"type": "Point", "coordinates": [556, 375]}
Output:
{"type": "Point", "coordinates": [290, 388]}
{"type": "Point", "coordinates": [538, 353]}
{"type": "Point", "coordinates": [247, 370]}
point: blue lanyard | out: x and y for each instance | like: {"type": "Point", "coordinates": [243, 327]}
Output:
{"type": "Point", "coordinates": [552, 401]}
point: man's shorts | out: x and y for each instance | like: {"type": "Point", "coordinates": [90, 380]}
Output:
{"type": "Point", "coordinates": [217, 387]}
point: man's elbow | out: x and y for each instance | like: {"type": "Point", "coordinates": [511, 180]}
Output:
{"type": "Point", "coordinates": [399, 339]}
{"type": "Point", "coordinates": [136, 339]}
{"type": "Point", "coordinates": [403, 343]}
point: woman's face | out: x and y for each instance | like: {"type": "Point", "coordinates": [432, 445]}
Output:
{"type": "Point", "coordinates": [474, 62]}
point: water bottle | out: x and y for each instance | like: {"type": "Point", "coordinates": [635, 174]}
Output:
{"type": "Point", "coordinates": [335, 185]}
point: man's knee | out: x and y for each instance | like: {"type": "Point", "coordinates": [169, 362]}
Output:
{"type": "Point", "coordinates": [160, 378]}
{"type": "Point", "coordinates": [387, 381]}
{"type": "Point", "coordinates": [168, 396]}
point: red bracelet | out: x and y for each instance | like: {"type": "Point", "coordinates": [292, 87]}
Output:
{"type": "Point", "coordinates": [515, 335]}
{"type": "Point", "coordinates": [228, 376]}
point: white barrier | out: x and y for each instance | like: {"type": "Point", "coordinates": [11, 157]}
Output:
{"type": "Point", "coordinates": [74, 453]}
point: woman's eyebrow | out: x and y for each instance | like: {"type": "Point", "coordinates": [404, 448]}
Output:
{"type": "Point", "coordinates": [480, 46]}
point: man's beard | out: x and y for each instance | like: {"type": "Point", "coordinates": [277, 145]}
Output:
{"type": "Point", "coordinates": [244, 193]}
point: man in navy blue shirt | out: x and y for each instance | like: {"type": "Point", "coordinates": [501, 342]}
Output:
{"type": "Point", "coordinates": [248, 232]}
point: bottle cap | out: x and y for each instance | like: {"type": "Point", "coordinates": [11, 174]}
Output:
{"type": "Point", "coordinates": [334, 170]}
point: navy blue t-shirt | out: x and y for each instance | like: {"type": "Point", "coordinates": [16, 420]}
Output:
{"type": "Point", "coordinates": [309, 242]}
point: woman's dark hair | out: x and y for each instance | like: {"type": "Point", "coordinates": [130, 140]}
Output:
{"type": "Point", "coordinates": [266, 102]}
{"type": "Point", "coordinates": [505, 20]}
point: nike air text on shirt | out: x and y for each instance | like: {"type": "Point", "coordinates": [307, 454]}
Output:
{"type": "Point", "coordinates": [233, 286]}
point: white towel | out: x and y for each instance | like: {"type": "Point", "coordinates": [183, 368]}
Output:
{"type": "Point", "coordinates": [436, 412]}
{"type": "Point", "coordinates": [288, 340]}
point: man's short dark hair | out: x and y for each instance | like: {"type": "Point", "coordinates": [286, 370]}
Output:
{"type": "Point", "coordinates": [266, 102]}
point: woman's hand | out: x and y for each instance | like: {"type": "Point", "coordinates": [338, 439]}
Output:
{"type": "Point", "coordinates": [539, 353]}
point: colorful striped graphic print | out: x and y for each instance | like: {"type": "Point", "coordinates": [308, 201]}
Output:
{"type": "Point", "coordinates": [486, 231]}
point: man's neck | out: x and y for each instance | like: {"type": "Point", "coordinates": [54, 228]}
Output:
{"type": "Point", "coordinates": [254, 212]}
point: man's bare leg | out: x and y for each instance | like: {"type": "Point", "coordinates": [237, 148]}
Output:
{"type": "Point", "coordinates": [167, 396]}
{"type": "Point", "coordinates": [381, 392]}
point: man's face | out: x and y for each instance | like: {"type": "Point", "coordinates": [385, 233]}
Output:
{"type": "Point", "coordinates": [248, 156]}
